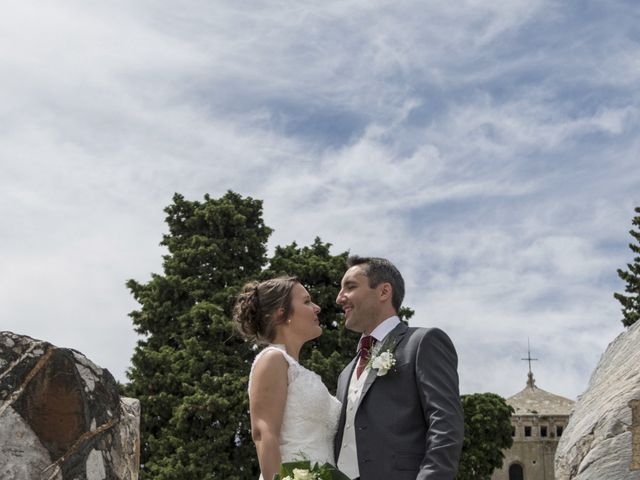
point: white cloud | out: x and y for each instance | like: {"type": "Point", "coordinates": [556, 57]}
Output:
{"type": "Point", "coordinates": [487, 148]}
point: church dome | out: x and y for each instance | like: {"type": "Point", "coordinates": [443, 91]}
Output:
{"type": "Point", "coordinates": [536, 401]}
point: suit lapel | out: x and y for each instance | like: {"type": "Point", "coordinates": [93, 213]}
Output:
{"type": "Point", "coordinates": [394, 337]}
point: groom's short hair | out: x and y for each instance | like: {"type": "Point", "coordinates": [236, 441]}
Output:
{"type": "Point", "coordinates": [380, 270]}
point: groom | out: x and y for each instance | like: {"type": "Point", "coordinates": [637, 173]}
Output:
{"type": "Point", "coordinates": [399, 420]}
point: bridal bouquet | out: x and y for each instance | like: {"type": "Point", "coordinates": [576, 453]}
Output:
{"type": "Point", "coordinates": [303, 470]}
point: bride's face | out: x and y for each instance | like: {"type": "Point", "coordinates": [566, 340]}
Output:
{"type": "Point", "coordinates": [303, 319]}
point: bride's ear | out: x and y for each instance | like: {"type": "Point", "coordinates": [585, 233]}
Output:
{"type": "Point", "coordinates": [281, 318]}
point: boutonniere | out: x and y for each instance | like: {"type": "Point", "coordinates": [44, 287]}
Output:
{"type": "Point", "coordinates": [382, 358]}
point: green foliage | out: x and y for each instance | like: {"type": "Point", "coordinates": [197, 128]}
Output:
{"type": "Point", "coordinates": [487, 432]}
{"type": "Point", "coordinates": [631, 302]}
{"type": "Point", "coordinates": [190, 370]}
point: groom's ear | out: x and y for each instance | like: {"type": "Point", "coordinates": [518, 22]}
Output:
{"type": "Point", "coordinates": [386, 291]}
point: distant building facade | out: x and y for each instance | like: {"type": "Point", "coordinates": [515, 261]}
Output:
{"type": "Point", "coordinates": [537, 424]}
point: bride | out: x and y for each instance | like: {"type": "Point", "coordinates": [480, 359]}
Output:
{"type": "Point", "coordinates": [293, 415]}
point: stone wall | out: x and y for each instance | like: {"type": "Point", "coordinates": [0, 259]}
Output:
{"type": "Point", "coordinates": [535, 457]}
{"type": "Point", "coordinates": [61, 417]}
{"type": "Point", "coordinates": [534, 453]}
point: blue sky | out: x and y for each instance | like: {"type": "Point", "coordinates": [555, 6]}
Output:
{"type": "Point", "coordinates": [490, 149]}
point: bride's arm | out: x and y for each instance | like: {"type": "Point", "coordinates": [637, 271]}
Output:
{"type": "Point", "coordinates": [267, 399]}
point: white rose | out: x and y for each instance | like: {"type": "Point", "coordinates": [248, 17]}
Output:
{"type": "Point", "coordinates": [383, 363]}
{"type": "Point", "coordinates": [302, 474]}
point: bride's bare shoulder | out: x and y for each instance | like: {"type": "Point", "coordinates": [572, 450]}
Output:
{"type": "Point", "coordinates": [270, 360]}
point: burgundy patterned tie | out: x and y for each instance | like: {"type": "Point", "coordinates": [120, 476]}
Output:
{"type": "Point", "coordinates": [364, 347]}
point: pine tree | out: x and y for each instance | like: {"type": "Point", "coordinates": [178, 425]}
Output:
{"type": "Point", "coordinates": [631, 302]}
{"type": "Point", "coordinates": [190, 370]}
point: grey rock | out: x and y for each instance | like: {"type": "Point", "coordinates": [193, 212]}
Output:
{"type": "Point", "coordinates": [597, 443]}
{"type": "Point", "coordinates": [22, 456]}
{"type": "Point", "coordinates": [95, 466]}
{"type": "Point", "coordinates": [61, 417]}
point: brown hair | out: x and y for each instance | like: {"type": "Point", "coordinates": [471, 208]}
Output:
{"type": "Point", "coordinates": [255, 311]}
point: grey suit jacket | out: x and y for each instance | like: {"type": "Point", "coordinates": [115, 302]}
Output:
{"type": "Point", "coordinates": [409, 423]}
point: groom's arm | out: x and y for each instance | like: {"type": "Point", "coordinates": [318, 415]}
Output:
{"type": "Point", "coordinates": [437, 381]}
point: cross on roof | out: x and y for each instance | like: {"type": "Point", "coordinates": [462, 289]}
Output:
{"type": "Point", "coordinates": [530, 381]}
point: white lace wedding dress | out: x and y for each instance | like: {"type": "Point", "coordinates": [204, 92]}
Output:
{"type": "Point", "coordinates": [311, 414]}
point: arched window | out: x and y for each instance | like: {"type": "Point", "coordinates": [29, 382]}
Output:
{"type": "Point", "coordinates": [516, 472]}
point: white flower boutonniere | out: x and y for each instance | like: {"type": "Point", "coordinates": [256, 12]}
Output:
{"type": "Point", "coordinates": [382, 358]}
{"type": "Point", "coordinates": [383, 362]}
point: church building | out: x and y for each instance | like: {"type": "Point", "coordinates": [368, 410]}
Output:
{"type": "Point", "coordinates": [537, 425]}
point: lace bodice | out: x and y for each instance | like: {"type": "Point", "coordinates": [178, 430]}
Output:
{"type": "Point", "coordinates": [311, 414]}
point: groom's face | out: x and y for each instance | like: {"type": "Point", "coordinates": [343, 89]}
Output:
{"type": "Point", "coordinates": [358, 300]}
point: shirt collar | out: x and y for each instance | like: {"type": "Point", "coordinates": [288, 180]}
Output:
{"type": "Point", "coordinates": [382, 330]}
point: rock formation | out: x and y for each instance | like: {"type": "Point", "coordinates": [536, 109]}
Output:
{"type": "Point", "coordinates": [597, 443]}
{"type": "Point", "coordinates": [61, 417]}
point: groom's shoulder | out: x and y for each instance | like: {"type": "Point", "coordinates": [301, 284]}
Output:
{"type": "Point", "coordinates": [427, 335]}
{"type": "Point", "coordinates": [425, 332]}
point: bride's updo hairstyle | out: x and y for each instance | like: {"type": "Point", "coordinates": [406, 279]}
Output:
{"type": "Point", "coordinates": [256, 310]}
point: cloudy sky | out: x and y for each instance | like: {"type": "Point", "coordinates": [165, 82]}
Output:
{"type": "Point", "coordinates": [490, 149]}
